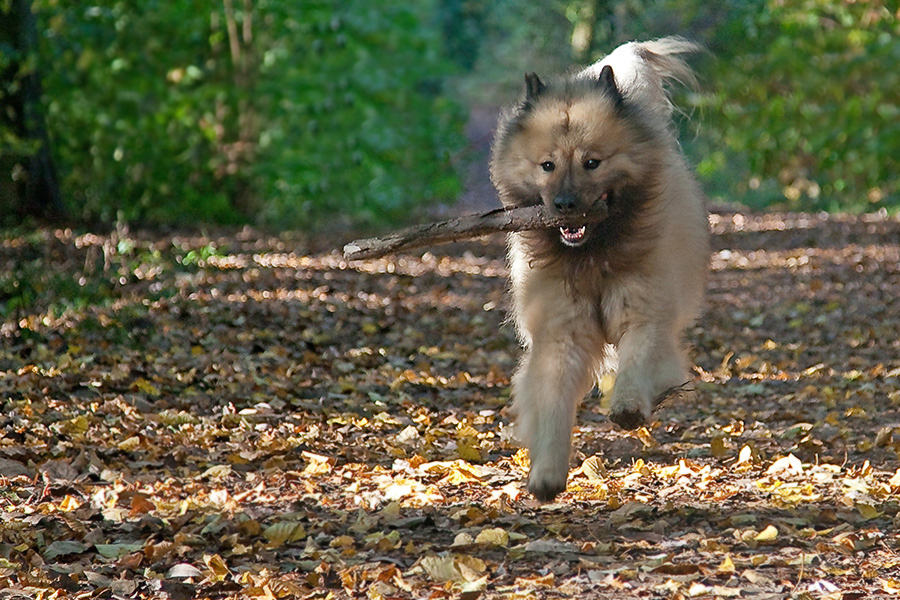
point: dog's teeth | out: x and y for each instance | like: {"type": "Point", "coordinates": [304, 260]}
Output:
{"type": "Point", "coordinates": [573, 236]}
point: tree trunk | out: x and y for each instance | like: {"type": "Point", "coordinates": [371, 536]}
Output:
{"type": "Point", "coordinates": [28, 182]}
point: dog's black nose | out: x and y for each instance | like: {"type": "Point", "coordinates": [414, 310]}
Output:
{"type": "Point", "coordinates": [565, 203]}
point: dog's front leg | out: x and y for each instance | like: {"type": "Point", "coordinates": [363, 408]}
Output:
{"type": "Point", "coordinates": [553, 378]}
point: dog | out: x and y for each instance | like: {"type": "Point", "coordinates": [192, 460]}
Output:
{"type": "Point", "coordinates": [614, 295]}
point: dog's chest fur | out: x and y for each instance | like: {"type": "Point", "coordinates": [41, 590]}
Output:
{"type": "Point", "coordinates": [584, 295]}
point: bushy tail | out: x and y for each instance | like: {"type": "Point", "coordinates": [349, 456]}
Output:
{"type": "Point", "coordinates": [664, 56]}
{"type": "Point", "coordinates": [642, 70]}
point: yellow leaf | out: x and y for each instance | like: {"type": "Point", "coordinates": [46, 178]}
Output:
{"type": "Point", "coordinates": [727, 566]}
{"type": "Point", "coordinates": [318, 464]}
{"type": "Point", "coordinates": [646, 437]}
{"type": "Point", "coordinates": [400, 488]}
{"type": "Point", "coordinates": [698, 589]}
{"type": "Point", "coordinates": [593, 468]}
{"type": "Point", "coordinates": [493, 537]}
{"type": "Point", "coordinates": [786, 464]}
{"type": "Point", "coordinates": [769, 485]}
{"type": "Point", "coordinates": [390, 513]}
{"type": "Point", "coordinates": [895, 480]}
{"type": "Point", "coordinates": [342, 541]}
{"type": "Point", "coordinates": [146, 387]}
{"type": "Point", "coordinates": [129, 444]}
{"type": "Point", "coordinates": [867, 511]}
{"type": "Point", "coordinates": [455, 472]}
{"type": "Point", "coordinates": [467, 450]}
{"type": "Point", "coordinates": [537, 581]}
{"type": "Point", "coordinates": [77, 426]}
{"type": "Point", "coordinates": [217, 472]}
{"type": "Point", "coordinates": [463, 539]}
{"type": "Point", "coordinates": [891, 586]}
{"type": "Point", "coordinates": [521, 459]}
{"type": "Point", "coordinates": [767, 535]}
{"type": "Point", "coordinates": [69, 503]}
{"type": "Point", "coordinates": [855, 411]}
{"type": "Point", "coordinates": [745, 456]}
{"type": "Point", "coordinates": [216, 564]}
{"type": "Point", "coordinates": [471, 567]}
{"type": "Point", "coordinates": [284, 532]}
{"type": "Point", "coordinates": [441, 569]}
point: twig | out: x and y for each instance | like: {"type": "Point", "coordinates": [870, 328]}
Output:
{"type": "Point", "coordinates": [469, 226]}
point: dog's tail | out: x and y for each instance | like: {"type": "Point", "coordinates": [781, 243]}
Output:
{"type": "Point", "coordinates": [642, 70]}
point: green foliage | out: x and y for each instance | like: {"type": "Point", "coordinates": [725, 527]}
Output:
{"type": "Point", "coordinates": [813, 102]}
{"type": "Point", "coordinates": [133, 108]}
{"type": "Point", "coordinates": [516, 37]}
{"type": "Point", "coordinates": [801, 99]}
{"type": "Point", "coordinates": [334, 111]}
{"type": "Point", "coordinates": [356, 121]}
{"type": "Point", "coordinates": [328, 109]}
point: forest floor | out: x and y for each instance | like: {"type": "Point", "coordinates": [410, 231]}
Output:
{"type": "Point", "coordinates": [246, 415]}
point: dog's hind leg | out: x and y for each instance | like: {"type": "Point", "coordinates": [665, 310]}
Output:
{"type": "Point", "coordinates": [651, 361]}
{"type": "Point", "coordinates": [548, 387]}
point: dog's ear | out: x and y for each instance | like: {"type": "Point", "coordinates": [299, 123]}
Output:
{"type": "Point", "coordinates": [607, 82]}
{"type": "Point", "coordinates": [533, 86]}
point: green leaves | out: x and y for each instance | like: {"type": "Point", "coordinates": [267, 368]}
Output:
{"type": "Point", "coordinates": [329, 112]}
{"type": "Point", "coordinates": [815, 102]}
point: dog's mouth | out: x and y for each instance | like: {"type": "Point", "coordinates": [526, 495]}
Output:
{"type": "Point", "coordinates": [574, 236]}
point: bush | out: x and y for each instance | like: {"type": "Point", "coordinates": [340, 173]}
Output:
{"type": "Point", "coordinates": [801, 99]}
{"type": "Point", "coordinates": [178, 112]}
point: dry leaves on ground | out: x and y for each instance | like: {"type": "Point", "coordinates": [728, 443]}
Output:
{"type": "Point", "coordinates": [249, 416]}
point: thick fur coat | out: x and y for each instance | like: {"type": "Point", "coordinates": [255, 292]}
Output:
{"type": "Point", "coordinates": [613, 295]}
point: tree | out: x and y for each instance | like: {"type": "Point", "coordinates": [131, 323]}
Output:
{"type": "Point", "coordinates": [29, 184]}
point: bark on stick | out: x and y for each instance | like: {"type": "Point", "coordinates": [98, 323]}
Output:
{"type": "Point", "coordinates": [467, 227]}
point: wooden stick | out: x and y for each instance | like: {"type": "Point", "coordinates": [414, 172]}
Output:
{"type": "Point", "coordinates": [467, 227]}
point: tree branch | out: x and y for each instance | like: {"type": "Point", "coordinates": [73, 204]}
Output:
{"type": "Point", "coordinates": [467, 227]}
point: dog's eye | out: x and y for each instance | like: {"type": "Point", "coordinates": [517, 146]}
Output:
{"type": "Point", "coordinates": [548, 166]}
{"type": "Point", "coordinates": [591, 164]}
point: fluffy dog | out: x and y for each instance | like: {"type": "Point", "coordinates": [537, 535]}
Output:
{"type": "Point", "coordinates": [612, 295]}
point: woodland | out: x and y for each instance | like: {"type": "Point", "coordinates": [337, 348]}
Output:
{"type": "Point", "coordinates": [202, 397]}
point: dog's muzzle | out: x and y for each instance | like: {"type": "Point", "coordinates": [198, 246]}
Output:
{"type": "Point", "coordinates": [576, 235]}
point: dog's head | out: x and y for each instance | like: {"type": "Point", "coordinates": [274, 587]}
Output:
{"type": "Point", "coordinates": [571, 145]}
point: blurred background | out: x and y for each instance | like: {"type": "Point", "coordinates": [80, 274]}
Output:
{"type": "Point", "coordinates": [316, 114]}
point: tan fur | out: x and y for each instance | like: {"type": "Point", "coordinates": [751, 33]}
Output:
{"type": "Point", "coordinates": [624, 297]}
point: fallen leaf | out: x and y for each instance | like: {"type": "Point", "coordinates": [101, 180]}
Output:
{"type": "Point", "coordinates": [441, 569]}
{"type": "Point", "coordinates": [117, 550]}
{"type": "Point", "coordinates": [593, 468]}
{"type": "Point", "coordinates": [13, 468]}
{"type": "Point", "coordinates": [493, 537]}
{"type": "Point", "coordinates": [183, 571]}
{"type": "Point", "coordinates": [769, 534]}
{"type": "Point", "coordinates": [284, 532]}
{"type": "Point", "coordinates": [63, 548]}
{"type": "Point", "coordinates": [789, 464]}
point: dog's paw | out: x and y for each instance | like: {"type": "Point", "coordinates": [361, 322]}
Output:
{"type": "Point", "coordinates": [545, 489]}
{"type": "Point", "coordinates": [628, 417]}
